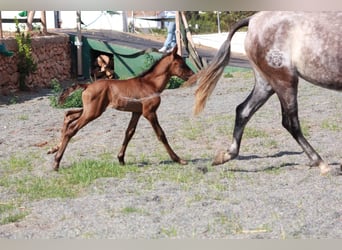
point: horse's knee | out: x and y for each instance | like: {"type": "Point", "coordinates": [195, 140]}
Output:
{"type": "Point", "coordinates": [241, 112]}
{"type": "Point", "coordinates": [291, 125]}
{"type": "Point", "coordinates": [285, 123]}
{"type": "Point", "coordinates": [70, 132]}
{"type": "Point", "coordinates": [130, 132]}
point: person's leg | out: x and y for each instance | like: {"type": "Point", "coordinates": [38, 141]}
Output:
{"type": "Point", "coordinates": [172, 31]}
{"type": "Point", "coordinates": [170, 41]}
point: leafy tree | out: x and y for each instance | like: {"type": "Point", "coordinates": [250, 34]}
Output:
{"type": "Point", "coordinates": [207, 21]}
{"type": "Point", "coordinates": [26, 63]}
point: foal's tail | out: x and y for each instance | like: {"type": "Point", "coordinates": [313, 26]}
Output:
{"type": "Point", "coordinates": [69, 90]}
{"type": "Point", "coordinates": [210, 76]}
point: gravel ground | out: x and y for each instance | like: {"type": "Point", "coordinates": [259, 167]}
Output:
{"type": "Point", "coordinates": [269, 192]}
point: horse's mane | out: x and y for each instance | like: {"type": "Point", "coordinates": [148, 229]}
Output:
{"type": "Point", "coordinates": [153, 66]}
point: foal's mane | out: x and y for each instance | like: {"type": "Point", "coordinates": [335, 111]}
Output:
{"type": "Point", "coordinates": [153, 66]}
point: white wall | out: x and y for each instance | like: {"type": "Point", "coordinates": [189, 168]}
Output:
{"type": "Point", "coordinates": [91, 19]}
{"type": "Point", "coordinates": [216, 40]}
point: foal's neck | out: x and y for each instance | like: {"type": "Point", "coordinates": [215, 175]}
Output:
{"type": "Point", "coordinates": [159, 76]}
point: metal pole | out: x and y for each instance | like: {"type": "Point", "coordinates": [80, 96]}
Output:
{"type": "Point", "coordinates": [124, 21]}
{"type": "Point", "coordinates": [1, 35]}
{"type": "Point", "coordinates": [192, 48]}
{"type": "Point", "coordinates": [133, 23]}
{"type": "Point", "coordinates": [57, 19]}
{"type": "Point", "coordinates": [78, 43]}
{"type": "Point", "coordinates": [43, 21]}
{"type": "Point", "coordinates": [218, 22]}
{"type": "Point", "coordinates": [178, 33]}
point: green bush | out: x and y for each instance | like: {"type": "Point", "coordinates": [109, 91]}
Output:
{"type": "Point", "coordinates": [26, 64]}
{"type": "Point", "coordinates": [174, 83]}
{"type": "Point", "coordinates": [73, 101]}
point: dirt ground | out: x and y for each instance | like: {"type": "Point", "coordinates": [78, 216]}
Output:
{"type": "Point", "coordinates": [268, 192]}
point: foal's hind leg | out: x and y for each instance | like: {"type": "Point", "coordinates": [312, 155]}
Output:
{"type": "Point", "coordinates": [71, 129]}
{"type": "Point", "coordinates": [152, 117]}
{"type": "Point", "coordinates": [70, 116]}
{"type": "Point", "coordinates": [128, 136]}
{"type": "Point", "coordinates": [289, 107]}
{"type": "Point", "coordinates": [259, 95]}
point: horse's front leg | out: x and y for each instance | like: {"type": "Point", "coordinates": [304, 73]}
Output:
{"type": "Point", "coordinates": [152, 118]}
{"type": "Point", "coordinates": [261, 93]}
{"type": "Point", "coordinates": [128, 136]}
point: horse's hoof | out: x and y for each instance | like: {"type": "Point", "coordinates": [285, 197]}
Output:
{"type": "Point", "coordinates": [324, 168]}
{"type": "Point", "coordinates": [52, 150]}
{"type": "Point", "coordinates": [221, 157]}
{"type": "Point", "coordinates": [182, 162]}
{"type": "Point", "coordinates": [121, 159]}
{"type": "Point", "coordinates": [55, 165]}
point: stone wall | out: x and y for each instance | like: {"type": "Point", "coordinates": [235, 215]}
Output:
{"type": "Point", "coordinates": [52, 53]}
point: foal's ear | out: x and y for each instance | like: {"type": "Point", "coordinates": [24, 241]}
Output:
{"type": "Point", "coordinates": [175, 49]}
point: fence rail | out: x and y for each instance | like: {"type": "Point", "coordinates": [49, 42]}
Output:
{"type": "Point", "coordinates": [20, 20]}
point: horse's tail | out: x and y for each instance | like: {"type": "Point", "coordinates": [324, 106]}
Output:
{"type": "Point", "coordinates": [210, 76]}
{"type": "Point", "coordinates": [69, 90]}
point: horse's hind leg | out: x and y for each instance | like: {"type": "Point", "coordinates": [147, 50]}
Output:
{"type": "Point", "coordinates": [152, 117]}
{"type": "Point", "coordinates": [289, 107]}
{"type": "Point", "coordinates": [70, 116]}
{"type": "Point", "coordinates": [259, 95]}
{"type": "Point", "coordinates": [128, 136]}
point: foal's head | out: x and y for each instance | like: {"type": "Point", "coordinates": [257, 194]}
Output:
{"type": "Point", "coordinates": [178, 66]}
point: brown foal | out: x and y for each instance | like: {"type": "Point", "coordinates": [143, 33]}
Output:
{"type": "Point", "coordinates": [139, 95]}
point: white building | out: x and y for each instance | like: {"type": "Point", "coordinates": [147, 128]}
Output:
{"type": "Point", "coordinates": [108, 20]}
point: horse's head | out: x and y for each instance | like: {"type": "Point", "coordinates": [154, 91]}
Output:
{"type": "Point", "coordinates": [178, 66]}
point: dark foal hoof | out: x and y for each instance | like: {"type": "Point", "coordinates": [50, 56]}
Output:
{"type": "Point", "coordinates": [121, 160]}
{"type": "Point", "coordinates": [56, 165]}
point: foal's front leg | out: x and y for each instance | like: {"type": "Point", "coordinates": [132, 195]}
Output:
{"type": "Point", "coordinates": [152, 118]}
{"type": "Point", "coordinates": [128, 136]}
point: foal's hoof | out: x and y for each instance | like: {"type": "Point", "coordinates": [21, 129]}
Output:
{"type": "Point", "coordinates": [121, 159]}
{"type": "Point", "coordinates": [221, 157]}
{"type": "Point", "coordinates": [56, 168]}
{"type": "Point", "coordinates": [52, 150]}
{"type": "Point", "coordinates": [122, 162]}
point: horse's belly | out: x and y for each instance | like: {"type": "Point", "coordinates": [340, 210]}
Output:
{"type": "Point", "coordinates": [130, 105]}
{"type": "Point", "coordinates": [324, 71]}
